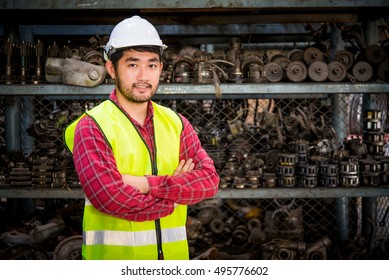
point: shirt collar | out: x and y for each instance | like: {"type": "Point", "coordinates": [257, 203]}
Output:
{"type": "Point", "coordinates": [150, 108]}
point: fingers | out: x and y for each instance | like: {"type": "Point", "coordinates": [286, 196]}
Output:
{"type": "Point", "coordinates": [188, 166]}
{"type": "Point", "coordinates": [179, 167]}
{"type": "Point", "coordinates": [184, 166]}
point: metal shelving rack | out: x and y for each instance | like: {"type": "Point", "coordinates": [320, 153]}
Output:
{"type": "Point", "coordinates": [285, 12]}
{"type": "Point", "coordinates": [267, 15]}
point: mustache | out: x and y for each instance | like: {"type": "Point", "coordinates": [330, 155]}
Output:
{"type": "Point", "coordinates": [142, 84]}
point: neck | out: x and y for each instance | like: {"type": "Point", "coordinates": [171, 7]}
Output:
{"type": "Point", "coordinates": [137, 111]}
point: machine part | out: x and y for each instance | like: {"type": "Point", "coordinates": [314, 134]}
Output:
{"type": "Point", "coordinates": [210, 254]}
{"type": "Point", "coordinates": [287, 181]}
{"type": "Point", "coordinates": [39, 56]}
{"type": "Point", "coordinates": [349, 180]}
{"type": "Point", "coordinates": [81, 73]}
{"type": "Point", "coordinates": [53, 69]}
{"type": "Point", "coordinates": [239, 183]}
{"type": "Point", "coordinates": [269, 180]}
{"type": "Point", "coordinates": [38, 235]}
{"type": "Point", "coordinates": [285, 170]}
{"type": "Point", "coordinates": [318, 249]}
{"type": "Point", "coordinates": [312, 55]}
{"type": "Point", "coordinates": [285, 223]}
{"type": "Point", "coordinates": [370, 179]}
{"type": "Point", "coordinates": [24, 252]}
{"type": "Point", "coordinates": [307, 170]}
{"type": "Point", "coordinates": [94, 57]}
{"type": "Point", "coordinates": [253, 178]}
{"type": "Point", "coordinates": [307, 181]}
{"type": "Point", "coordinates": [273, 72]}
{"type": "Point", "coordinates": [296, 55]}
{"type": "Point", "coordinates": [362, 71]}
{"type": "Point", "coordinates": [24, 50]}
{"type": "Point", "coordinates": [383, 70]}
{"type": "Point", "coordinates": [345, 57]}
{"type": "Point", "coordinates": [287, 159]}
{"type": "Point", "coordinates": [328, 169]}
{"type": "Point", "coordinates": [282, 249]}
{"type": "Point", "coordinates": [374, 54]}
{"type": "Point", "coordinates": [349, 167]}
{"type": "Point", "coordinates": [318, 71]}
{"type": "Point", "coordinates": [240, 235]}
{"type": "Point", "coordinates": [329, 181]}
{"type": "Point", "coordinates": [217, 226]}
{"type": "Point", "coordinates": [296, 71]}
{"type": "Point", "coordinates": [337, 71]}
{"type": "Point", "coordinates": [9, 51]}
{"type": "Point", "coordinates": [253, 69]}
{"type": "Point", "coordinates": [69, 249]}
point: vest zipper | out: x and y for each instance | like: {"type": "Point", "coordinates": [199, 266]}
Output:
{"type": "Point", "coordinates": [159, 239]}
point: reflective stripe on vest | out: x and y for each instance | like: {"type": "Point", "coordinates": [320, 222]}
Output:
{"type": "Point", "coordinates": [133, 157]}
{"type": "Point", "coordinates": [138, 238]}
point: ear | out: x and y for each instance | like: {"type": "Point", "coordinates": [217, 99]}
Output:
{"type": "Point", "coordinates": [110, 69]}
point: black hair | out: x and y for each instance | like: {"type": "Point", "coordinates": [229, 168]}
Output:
{"type": "Point", "coordinates": [115, 57]}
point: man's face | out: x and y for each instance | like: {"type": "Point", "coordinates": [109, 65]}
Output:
{"type": "Point", "coordinates": [137, 75]}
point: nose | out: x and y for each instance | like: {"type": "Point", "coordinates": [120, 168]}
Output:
{"type": "Point", "coordinates": [143, 73]}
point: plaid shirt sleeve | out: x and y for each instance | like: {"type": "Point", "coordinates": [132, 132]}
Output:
{"type": "Point", "coordinates": [103, 184]}
{"type": "Point", "coordinates": [191, 187]}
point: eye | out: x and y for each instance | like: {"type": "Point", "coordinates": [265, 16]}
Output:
{"type": "Point", "coordinates": [153, 66]}
{"type": "Point", "coordinates": [132, 65]}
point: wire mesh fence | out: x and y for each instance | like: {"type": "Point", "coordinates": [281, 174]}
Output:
{"type": "Point", "coordinates": [278, 143]}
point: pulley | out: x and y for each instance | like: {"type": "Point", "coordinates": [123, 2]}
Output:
{"type": "Point", "coordinates": [318, 71]}
{"type": "Point", "coordinates": [273, 72]}
{"type": "Point", "coordinates": [336, 71]}
{"type": "Point", "coordinates": [362, 71]}
{"type": "Point", "coordinates": [296, 71]}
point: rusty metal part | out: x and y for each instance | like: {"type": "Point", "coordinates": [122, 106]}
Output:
{"type": "Point", "coordinates": [74, 72]}
{"type": "Point", "coordinates": [345, 57]}
{"type": "Point", "coordinates": [337, 71]}
{"type": "Point", "coordinates": [362, 71]}
{"type": "Point", "coordinates": [93, 57]}
{"type": "Point", "coordinates": [318, 249]}
{"type": "Point", "coordinates": [253, 69]}
{"type": "Point", "coordinates": [9, 50]}
{"type": "Point", "coordinates": [69, 249]}
{"type": "Point", "coordinates": [296, 55]}
{"type": "Point", "coordinates": [273, 72]}
{"type": "Point", "coordinates": [318, 71]}
{"type": "Point", "coordinates": [210, 254]}
{"type": "Point", "coordinates": [282, 61]}
{"type": "Point", "coordinates": [296, 71]}
{"type": "Point", "coordinates": [374, 54]}
{"type": "Point", "coordinates": [39, 56]}
{"type": "Point", "coordinates": [383, 70]}
{"type": "Point", "coordinates": [312, 55]}
{"type": "Point", "coordinates": [24, 252]}
{"type": "Point", "coordinates": [217, 226]}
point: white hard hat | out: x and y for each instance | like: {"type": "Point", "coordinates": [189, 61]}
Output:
{"type": "Point", "coordinates": [133, 31]}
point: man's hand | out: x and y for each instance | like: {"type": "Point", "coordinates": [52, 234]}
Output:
{"type": "Point", "coordinates": [184, 166]}
{"type": "Point", "coordinates": [141, 182]}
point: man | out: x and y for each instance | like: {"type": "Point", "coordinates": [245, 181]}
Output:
{"type": "Point", "coordinates": [139, 163]}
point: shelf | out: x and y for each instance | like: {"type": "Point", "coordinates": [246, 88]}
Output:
{"type": "Point", "coordinates": [199, 4]}
{"type": "Point", "coordinates": [205, 91]}
{"type": "Point", "coordinates": [259, 193]}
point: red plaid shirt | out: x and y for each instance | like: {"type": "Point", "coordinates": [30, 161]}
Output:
{"type": "Point", "coordinates": [103, 185]}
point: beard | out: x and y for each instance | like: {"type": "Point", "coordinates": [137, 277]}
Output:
{"type": "Point", "coordinates": [128, 93]}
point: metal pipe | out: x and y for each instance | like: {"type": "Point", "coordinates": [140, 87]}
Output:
{"type": "Point", "coordinates": [340, 125]}
{"type": "Point", "coordinates": [369, 204]}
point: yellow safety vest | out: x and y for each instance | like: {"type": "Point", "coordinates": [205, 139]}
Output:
{"type": "Point", "coordinates": [108, 237]}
